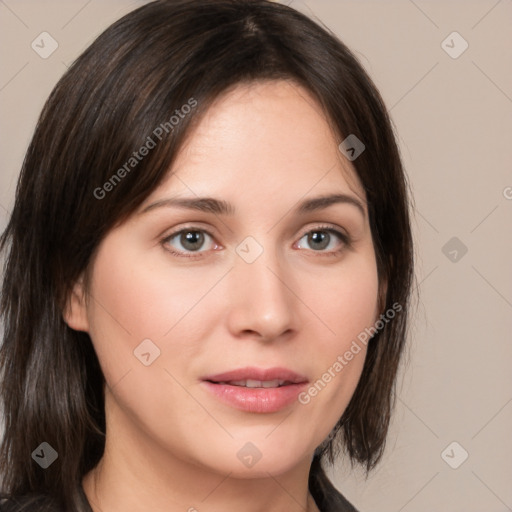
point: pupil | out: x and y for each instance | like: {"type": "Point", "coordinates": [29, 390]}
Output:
{"type": "Point", "coordinates": [321, 238]}
{"type": "Point", "coordinates": [191, 239]}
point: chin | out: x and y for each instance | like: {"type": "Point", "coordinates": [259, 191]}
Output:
{"type": "Point", "coordinates": [252, 462]}
{"type": "Point", "coordinates": [263, 469]}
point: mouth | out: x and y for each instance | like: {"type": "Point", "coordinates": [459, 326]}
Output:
{"type": "Point", "coordinates": [249, 383]}
{"type": "Point", "coordinates": [256, 390]}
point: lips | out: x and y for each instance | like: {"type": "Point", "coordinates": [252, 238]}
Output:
{"type": "Point", "coordinates": [255, 389]}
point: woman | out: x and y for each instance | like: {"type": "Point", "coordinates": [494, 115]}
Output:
{"type": "Point", "coordinates": [208, 270]}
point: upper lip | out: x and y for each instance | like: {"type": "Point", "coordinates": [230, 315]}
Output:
{"type": "Point", "coordinates": [260, 374]}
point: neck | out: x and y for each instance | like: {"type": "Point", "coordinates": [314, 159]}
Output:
{"type": "Point", "coordinates": [137, 474]}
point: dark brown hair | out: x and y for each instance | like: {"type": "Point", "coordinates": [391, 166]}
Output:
{"type": "Point", "coordinates": [132, 79]}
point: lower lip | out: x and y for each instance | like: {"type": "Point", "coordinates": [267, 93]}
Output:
{"type": "Point", "coordinates": [260, 400]}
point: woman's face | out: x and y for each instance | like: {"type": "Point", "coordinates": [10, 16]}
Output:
{"type": "Point", "coordinates": [258, 281]}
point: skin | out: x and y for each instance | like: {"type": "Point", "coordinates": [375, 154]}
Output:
{"type": "Point", "coordinates": [170, 444]}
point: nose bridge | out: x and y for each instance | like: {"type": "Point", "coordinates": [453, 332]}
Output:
{"type": "Point", "coordinates": [262, 299]}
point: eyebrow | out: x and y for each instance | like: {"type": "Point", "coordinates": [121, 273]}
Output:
{"type": "Point", "coordinates": [221, 207]}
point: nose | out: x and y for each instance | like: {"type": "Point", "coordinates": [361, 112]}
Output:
{"type": "Point", "coordinates": [262, 302]}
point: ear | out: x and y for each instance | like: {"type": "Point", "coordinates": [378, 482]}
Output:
{"type": "Point", "coordinates": [75, 311]}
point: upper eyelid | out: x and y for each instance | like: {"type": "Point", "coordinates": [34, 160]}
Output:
{"type": "Point", "coordinates": [325, 227]}
{"type": "Point", "coordinates": [185, 229]}
{"type": "Point", "coordinates": [321, 226]}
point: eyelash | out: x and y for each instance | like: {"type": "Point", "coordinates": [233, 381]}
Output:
{"type": "Point", "coordinates": [345, 239]}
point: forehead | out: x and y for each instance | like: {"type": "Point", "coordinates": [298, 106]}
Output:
{"type": "Point", "coordinates": [259, 139]}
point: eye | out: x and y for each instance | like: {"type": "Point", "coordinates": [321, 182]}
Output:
{"type": "Point", "coordinates": [188, 240]}
{"type": "Point", "coordinates": [325, 239]}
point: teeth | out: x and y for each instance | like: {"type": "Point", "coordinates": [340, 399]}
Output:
{"type": "Point", "coordinates": [253, 383]}
{"type": "Point", "coordinates": [249, 383]}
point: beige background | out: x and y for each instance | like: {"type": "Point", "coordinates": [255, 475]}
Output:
{"type": "Point", "coordinates": [454, 120]}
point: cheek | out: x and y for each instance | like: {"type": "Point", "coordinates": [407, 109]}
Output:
{"type": "Point", "coordinates": [348, 305]}
{"type": "Point", "coordinates": [135, 298]}
{"type": "Point", "coordinates": [349, 301]}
